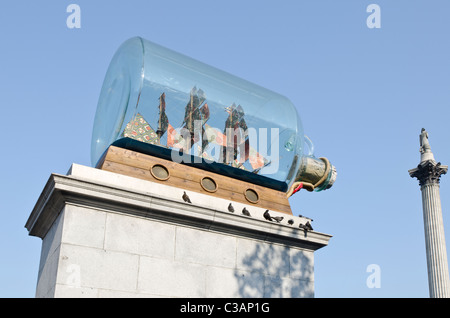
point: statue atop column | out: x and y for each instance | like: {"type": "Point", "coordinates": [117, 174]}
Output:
{"type": "Point", "coordinates": [425, 148]}
{"type": "Point", "coordinates": [424, 143]}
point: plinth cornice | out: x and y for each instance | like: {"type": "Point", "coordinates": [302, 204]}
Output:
{"type": "Point", "coordinates": [107, 191]}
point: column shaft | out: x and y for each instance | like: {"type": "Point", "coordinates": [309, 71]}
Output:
{"type": "Point", "coordinates": [438, 276]}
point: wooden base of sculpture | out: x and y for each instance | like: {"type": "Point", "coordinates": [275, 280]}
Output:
{"type": "Point", "coordinates": [143, 166]}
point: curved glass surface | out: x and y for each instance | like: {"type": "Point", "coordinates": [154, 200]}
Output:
{"type": "Point", "coordinates": [163, 100]}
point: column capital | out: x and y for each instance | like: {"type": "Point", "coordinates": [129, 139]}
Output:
{"type": "Point", "coordinates": [428, 172]}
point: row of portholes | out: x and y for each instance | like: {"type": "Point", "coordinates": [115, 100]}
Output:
{"type": "Point", "coordinates": [160, 172]}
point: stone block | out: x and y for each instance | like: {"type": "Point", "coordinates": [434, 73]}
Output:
{"type": "Point", "coordinates": [97, 268]}
{"type": "Point", "coordinates": [170, 279]}
{"type": "Point", "coordinates": [48, 266]}
{"type": "Point", "coordinates": [207, 248]}
{"type": "Point", "coordinates": [284, 287]}
{"type": "Point", "coordinates": [225, 282]}
{"type": "Point", "coordinates": [83, 226]}
{"type": "Point", "coordinates": [263, 257]}
{"type": "Point", "coordinates": [69, 291]}
{"type": "Point", "coordinates": [301, 264]}
{"type": "Point", "coordinates": [139, 236]}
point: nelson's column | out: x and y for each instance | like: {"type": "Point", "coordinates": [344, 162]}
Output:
{"type": "Point", "coordinates": [428, 172]}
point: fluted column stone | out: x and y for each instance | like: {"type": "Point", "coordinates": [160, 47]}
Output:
{"type": "Point", "coordinates": [435, 242]}
{"type": "Point", "coordinates": [428, 172]}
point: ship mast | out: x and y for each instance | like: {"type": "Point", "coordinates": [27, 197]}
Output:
{"type": "Point", "coordinates": [162, 121]}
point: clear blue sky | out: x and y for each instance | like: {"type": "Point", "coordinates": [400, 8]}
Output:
{"type": "Point", "coordinates": [363, 96]}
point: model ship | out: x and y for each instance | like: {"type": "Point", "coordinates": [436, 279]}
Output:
{"type": "Point", "coordinates": [196, 136]}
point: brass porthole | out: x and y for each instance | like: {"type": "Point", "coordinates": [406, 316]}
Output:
{"type": "Point", "coordinates": [160, 172]}
{"type": "Point", "coordinates": [251, 196]}
{"type": "Point", "coordinates": [208, 184]}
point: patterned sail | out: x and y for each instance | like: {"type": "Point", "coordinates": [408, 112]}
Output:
{"type": "Point", "coordinates": [138, 128]}
{"type": "Point", "coordinates": [163, 121]}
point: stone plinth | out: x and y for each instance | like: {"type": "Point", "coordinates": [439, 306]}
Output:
{"type": "Point", "coordinates": [109, 235]}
